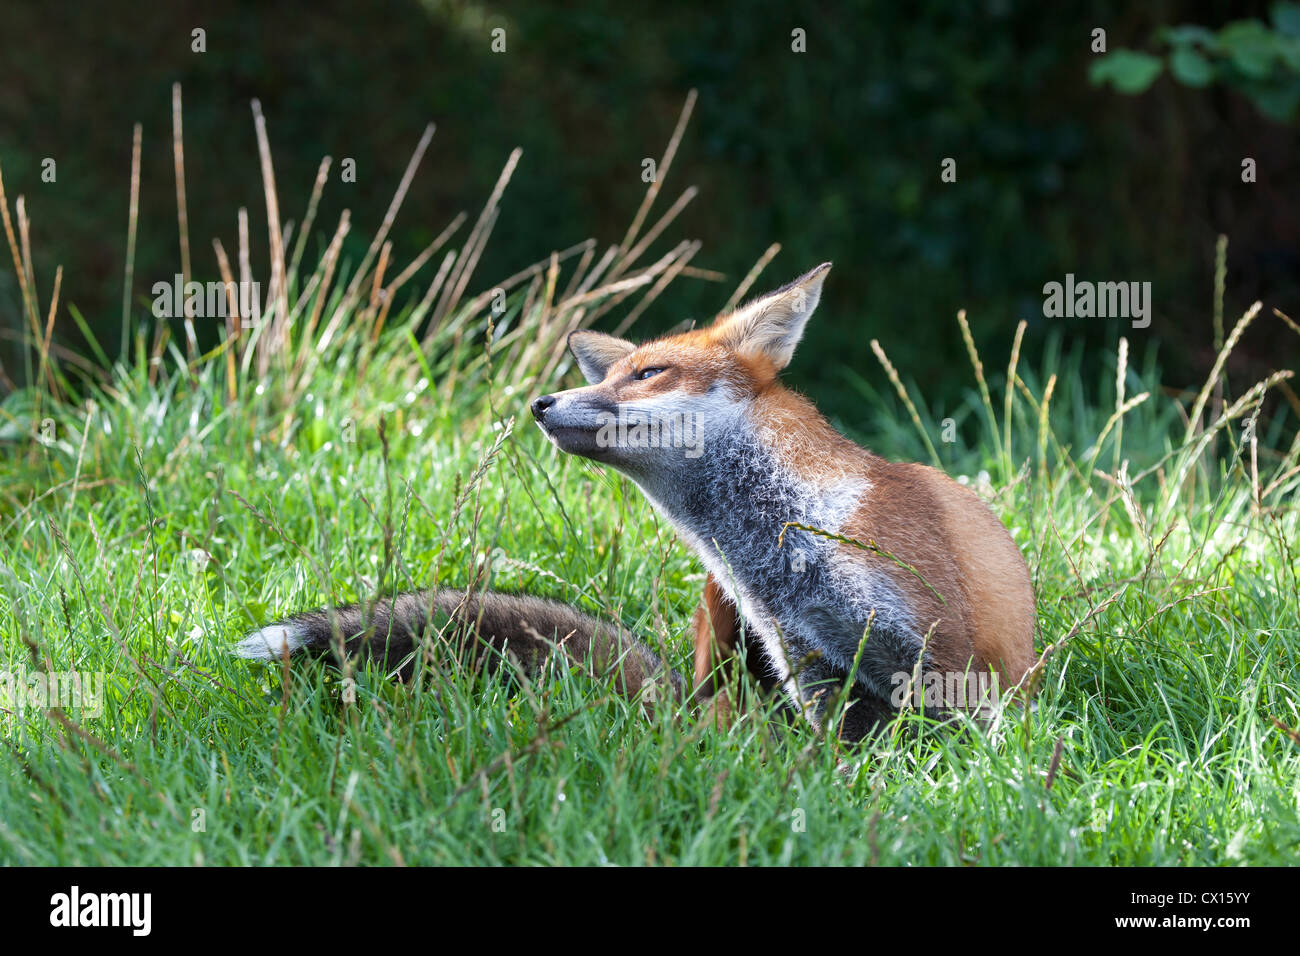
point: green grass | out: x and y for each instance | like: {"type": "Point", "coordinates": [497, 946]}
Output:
{"type": "Point", "coordinates": [174, 504]}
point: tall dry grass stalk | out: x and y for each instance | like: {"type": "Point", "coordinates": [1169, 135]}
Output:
{"type": "Point", "coordinates": [182, 216]}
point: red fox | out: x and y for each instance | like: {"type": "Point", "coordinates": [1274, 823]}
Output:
{"type": "Point", "coordinates": [850, 571]}
{"type": "Point", "coordinates": [935, 581]}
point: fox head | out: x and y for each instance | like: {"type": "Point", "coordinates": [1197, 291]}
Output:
{"type": "Point", "coordinates": [655, 407]}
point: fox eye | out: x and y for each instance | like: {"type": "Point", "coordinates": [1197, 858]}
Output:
{"type": "Point", "coordinates": [646, 373]}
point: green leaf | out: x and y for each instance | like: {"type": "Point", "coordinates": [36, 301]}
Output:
{"type": "Point", "coordinates": [1188, 34]}
{"type": "Point", "coordinates": [1288, 50]}
{"type": "Point", "coordinates": [1129, 71]}
{"type": "Point", "coordinates": [1250, 45]}
{"type": "Point", "coordinates": [1190, 68]}
{"type": "Point", "coordinates": [1278, 104]}
{"type": "Point", "coordinates": [1286, 18]}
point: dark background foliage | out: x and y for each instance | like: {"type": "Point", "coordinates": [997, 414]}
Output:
{"type": "Point", "coordinates": [835, 153]}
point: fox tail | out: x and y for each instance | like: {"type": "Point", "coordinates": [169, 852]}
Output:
{"type": "Point", "coordinates": [480, 628]}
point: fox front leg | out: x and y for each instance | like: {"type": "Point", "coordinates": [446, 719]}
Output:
{"type": "Point", "coordinates": [717, 631]}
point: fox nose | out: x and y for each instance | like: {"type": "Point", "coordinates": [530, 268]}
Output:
{"type": "Point", "coordinates": [540, 405]}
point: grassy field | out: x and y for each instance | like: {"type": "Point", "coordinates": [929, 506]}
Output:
{"type": "Point", "coordinates": [350, 443]}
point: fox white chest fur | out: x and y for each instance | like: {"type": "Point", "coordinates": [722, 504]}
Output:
{"type": "Point", "coordinates": [800, 593]}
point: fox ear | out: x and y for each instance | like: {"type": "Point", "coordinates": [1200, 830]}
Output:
{"type": "Point", "coordinates": [596, 352]}
{"type": "Point", "coordinates": [772, 325]}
